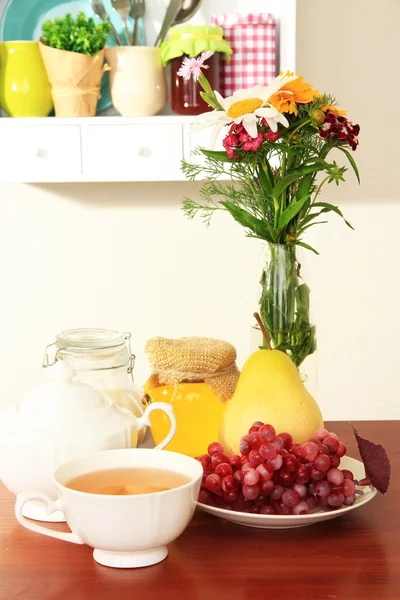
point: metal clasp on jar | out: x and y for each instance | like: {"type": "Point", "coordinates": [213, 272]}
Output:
{"type": "Point", "coordinates": [47, 362]}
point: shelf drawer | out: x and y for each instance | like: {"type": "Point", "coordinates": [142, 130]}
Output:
{"type": "Point", "coordinates": [40, 153]}
{"type": "Point", "coordinates": [135, 152]}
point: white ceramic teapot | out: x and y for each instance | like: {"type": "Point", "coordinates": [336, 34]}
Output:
{"type": "Point", "coordinates": [58, 422]}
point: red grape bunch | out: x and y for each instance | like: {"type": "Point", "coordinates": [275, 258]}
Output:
{"type": "Point", "coordinates": [275, 476]}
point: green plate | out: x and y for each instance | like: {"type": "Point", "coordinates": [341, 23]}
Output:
{"type": "Point", "coordinates": [23, 19]}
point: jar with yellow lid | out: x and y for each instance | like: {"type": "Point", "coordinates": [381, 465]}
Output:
{"type": "Point", "coordinates": [190, 41]}
{"type": "Point", "coordinates": [196, 376]}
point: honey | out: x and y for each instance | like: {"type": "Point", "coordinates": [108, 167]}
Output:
{"type": "Point", "coordinates": [198, 412]}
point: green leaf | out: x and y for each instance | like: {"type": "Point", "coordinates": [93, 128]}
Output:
{"type": "Point", "coordinates": [304, 186]}
{"type": "Point", "coordinates": [304, 245]}
{"type": "Point", "coordinates": [308, 218]}
{"type": "Point", "coordinates": [203, 81]}
{"type": "Point", "coordinates": [210, 101]}
{"type": "Point", "coordinates": [306, 169]}
{"type": "Point", "coordinates": [295, 174]}
{"type": "Point", "coordinates": [351, 161]}
{"type": "Point", "coordinates": [282, 184]}
{"type": "Point", "coordinates": [247, 220]}
{"type": "Point", "coordinates": [218, 155]}
{"type": "Point", "coordinates": [303, 229]}
{"type": "Point", "coordinates": [75, 35]}
{"type": "Point", "coordinates": [266, 178]}
{"type": "Point", "coordinates": [326, 207]}
{"type": "Point", "coordinates": [313, 160]}
{"type": "Point", "coordinates": [291, 212]}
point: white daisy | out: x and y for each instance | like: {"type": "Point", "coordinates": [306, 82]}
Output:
{"type": "Point", "coordinates": [246, 107]}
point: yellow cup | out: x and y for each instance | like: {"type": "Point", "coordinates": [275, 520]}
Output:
{"type": "Point", "coordinates": [25, 90]}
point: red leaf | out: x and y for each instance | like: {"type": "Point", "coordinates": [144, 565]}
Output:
{"type": "Point", "coordinates": [376, 463]}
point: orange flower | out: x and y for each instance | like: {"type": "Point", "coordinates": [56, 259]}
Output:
{"type": "Point", "coordinates": [293, 93]}
{"type": "Point", "coordinates": [331, 107]}
{"type": "Point", "coordinates": [334, 109]}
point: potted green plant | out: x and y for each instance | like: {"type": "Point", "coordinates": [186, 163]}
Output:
{"type": "Point", "coordinates": [73, 54]}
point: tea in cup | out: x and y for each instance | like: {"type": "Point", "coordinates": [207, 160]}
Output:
{"type": "Point", "coordinates": [127, 504]}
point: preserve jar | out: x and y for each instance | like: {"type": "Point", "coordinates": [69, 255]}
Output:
{"type": "Point", "coordinates": [103, 359]}
{"type": "Point", "coordinates": [189, 41]}
{"type": "Point", "coordinates": [196, 376]}
{"type": "Point", "coordinates": [185, 94]}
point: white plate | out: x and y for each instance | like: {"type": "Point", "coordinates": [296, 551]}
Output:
{"type": "Point", "coordinates": [292, 521]}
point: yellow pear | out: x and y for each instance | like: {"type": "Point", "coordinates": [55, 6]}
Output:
{"type": "Point", "coordinates": [269, 390]}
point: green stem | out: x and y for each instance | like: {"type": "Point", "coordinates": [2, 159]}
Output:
{"type": "Point", "coordinates": [284, 304]}
{"type": "Point", "coordinates": [276, 213]}
{"type": "Point", "coordinates": [319, 188]}
{"type": "Point", "coordinates": [296, 129]}
{"type": "Point", "coordinates": [282, 204]}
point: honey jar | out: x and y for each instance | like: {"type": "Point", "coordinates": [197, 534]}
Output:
{"type": "Point", "coordinates": [196, 376]}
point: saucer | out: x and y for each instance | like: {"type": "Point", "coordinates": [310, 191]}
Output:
{"type": "Point", "coordinates": [130, 560]}
{"type": "Point", "coordinates": [37, 511]}
{"type": "Point", "coordinates": [294, 521]}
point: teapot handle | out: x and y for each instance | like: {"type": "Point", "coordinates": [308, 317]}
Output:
{"type": "Point", "coordinates": [144, 421]}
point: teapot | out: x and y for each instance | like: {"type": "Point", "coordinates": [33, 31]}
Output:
{"type": "Point", "coordinates": [58, 422]}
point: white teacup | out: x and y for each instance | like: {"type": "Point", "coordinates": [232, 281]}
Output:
{"type": "Point", "coordinates": [125, 531]}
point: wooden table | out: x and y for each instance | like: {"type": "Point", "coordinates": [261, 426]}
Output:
{"type": "Point", "coordinates": [356, 557]}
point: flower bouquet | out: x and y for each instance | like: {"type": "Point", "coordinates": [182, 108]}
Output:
{"type": "Point", "coordinates": [277, 139]}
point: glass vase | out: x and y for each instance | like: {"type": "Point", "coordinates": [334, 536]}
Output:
{"type": "Point", "coordinates": [284, 307]}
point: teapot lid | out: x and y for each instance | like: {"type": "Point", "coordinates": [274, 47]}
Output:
{"type": "Point", "coordinates": [67, 409]}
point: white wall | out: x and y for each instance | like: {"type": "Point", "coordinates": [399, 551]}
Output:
{"type": "Point", "coordinates": [351, 49]}
{"type": "Point", "coordinates": [119, 256]}
{"type": "Point", "coordinates": [123, 256]}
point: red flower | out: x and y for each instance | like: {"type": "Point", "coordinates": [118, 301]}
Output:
{"type": "Point", "coordinates": [230, 153]}
{"type": "Point", "coordinates": [249, 143]}
{"type": "Point", "coordinates": [272, 136]}
{"type": "Point", "coordinates": [269, 135]}
{"type": "Point", "coordinates": [236, 129]}
{"type": "Point", "coordinates": [230, 142]}
{"type": "Point", "coordinates": [338, 127]}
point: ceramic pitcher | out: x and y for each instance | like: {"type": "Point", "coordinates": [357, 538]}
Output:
{"type": "Point", "coordinates": [24, 86]}
{"type": "Point", "coordinates": [137, 80]}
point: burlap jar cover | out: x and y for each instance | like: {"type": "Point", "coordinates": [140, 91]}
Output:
{"type": "Point", "coordinates": [195, 359]}
{"type": "Point", "coordinates": [75, 79]}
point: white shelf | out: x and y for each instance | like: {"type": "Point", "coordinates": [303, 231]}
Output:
{"type": "Point", "coordinates": [94, 149]}
{"type": "Point", "coordinates": [110, 148]}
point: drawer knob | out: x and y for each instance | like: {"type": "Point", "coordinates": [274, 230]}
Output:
{"type": "Point", "coordinates": [144, 152]}
{"type": "Point", "coordinates": [40, 153]}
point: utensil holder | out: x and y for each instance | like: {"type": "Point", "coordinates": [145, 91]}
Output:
{"type": "Point", "coordinates": [137, 80]}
